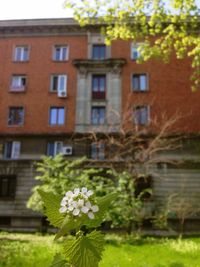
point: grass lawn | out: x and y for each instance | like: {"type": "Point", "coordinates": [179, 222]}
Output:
{"type": "Point", "coordinates": [26, 250]}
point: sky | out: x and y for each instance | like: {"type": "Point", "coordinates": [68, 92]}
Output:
{"type": "Point", "coordinates": [32, 9]}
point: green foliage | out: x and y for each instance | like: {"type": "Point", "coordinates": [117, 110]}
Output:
{"type": "Point", "coordinates": [57, 175]}
{"type": "Point", "coordinates": [52, 205]}
{"type": "Point", "coordinates": [66, 222]}
{"type": "Point", "coordinates": [127, 209]}
{"type": "Point", "coordinates": [164, 26]}
{"type": "Point", "coordinates": [86, 250]}
{"type": "Point", "coordinates": [59, 262]}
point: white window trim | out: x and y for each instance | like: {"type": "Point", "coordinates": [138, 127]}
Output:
{"type": "Point", "coordinates": [22, 53]}
{"type": "Point", "coordinates": [15, 150]}
{"type": "Point", "coordinates": [20, 86]}
{"type": "Point", "coordinates": [59, 76]}
{"type": "Point", "coordinates": [60, 46]}
{"type": "Point", "coordinates": [147, 82]}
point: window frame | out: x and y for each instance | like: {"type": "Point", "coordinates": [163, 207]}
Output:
{"type": "Point", "coordinates": [99, 48]}
{"type": "Point", "coordinates": [11, 184]}
{"type": "Point", "coordinates": [135, 46]}
{"type": "Point", "coordinates": [99, 108]}
{"type": "Point", "coordinates": [141, 121]}
{"type": "Point", "coordinates": [60, 57]}
{"type": "Point", "coordinates": [9, 114]}
{"type": "Point", "coordinates": [55, 148]}
{"type": "Point", "coordinates": [97, 151]}
{"type": "Point", "coordinates": [97, 92]}
{"type": "Point", "coordinates": [58, 77]}
{"type": "Point", "coordinates": [22, 53]}
{"type": "Point", "coordinates": [139, 76]}
{"type": "Point", "coordinates": [22, 80]}
{"type": "Point", "coordinates": [12, 150]}
{"type": "Point", "coordinates": [57, 116]}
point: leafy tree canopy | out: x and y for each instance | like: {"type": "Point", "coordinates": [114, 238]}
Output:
{"type": "Point", "coordinates": [174, 23]}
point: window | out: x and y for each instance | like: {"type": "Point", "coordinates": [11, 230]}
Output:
{"type": "Point", "coordinates": [21, 53]}
{"type": "Point", "coordinates": [135, 53]}
{"type": "Point", "coordinates": [57, 116]}
{"type": "Point", "coordinates": [12, 150]}
{"type": "Point", "coordinates": [7, 186]}
{"type": "Point", "coordinates": [98, 86]}
{"type": "Point", "coordinates": [60, 53]}
{"type": "Point", "coordinates": [98, 115]}
{"type": "Point", "coordinates": [18, 83]}
{"type": "Point", "coordinates": [54, 148]}
{"type": "Point", "coordinates": [99, 51]}
{"type": "Point", "coordinates": [58, 83]}
{"type": "Point", "coordinates": [98, 151]}
{"type": "Point", "coordinates": [139, 82]}
{"type": "Point", "coordinates": [141, 115]}
{"type": "Point", "coordinates": [16, 116]}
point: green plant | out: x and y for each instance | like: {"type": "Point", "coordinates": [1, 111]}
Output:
{"type": "Point", "coordinates": [79, 211]}
{"type": "Point", "coordinates": [58, 175]}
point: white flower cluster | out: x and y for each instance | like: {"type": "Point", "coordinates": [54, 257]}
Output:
{"type": "Point", "coordinates": [78, 203]}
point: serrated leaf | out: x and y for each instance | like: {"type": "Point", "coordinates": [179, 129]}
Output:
{"type": "Point", "coordinates": [52, 206]}
{"type": "Point", "coordinates": [67, 225]}
{"type": "Point", "coordinates": [59, 262]}
{"type": "Point", "coordinates": [85, 251]}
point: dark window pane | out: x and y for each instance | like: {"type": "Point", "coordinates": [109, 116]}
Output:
{"type": "Point", "coordinates": [99, 51]}
{"type": "Point", "coordinates": [7, 186]}
{"type": "Point", "coordinates": [50, 149]}
{"type": "Point", "coordinates": [16, 116]}
{"type": "Point", "coordinates": [139, 82]}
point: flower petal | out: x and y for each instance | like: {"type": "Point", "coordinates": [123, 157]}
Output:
{"type": "Point", "coordinates": [76, 191]}
{"type": "Point", "coordinates": [76, 212]}
{"type": "Point", "coordinates": [84, 190]}
{"type": "Point", "coordinates": [85, 209]}
{"type": "Point", "coordinates": [80, 203]}
{"type": "Point", "coordinates": [91, 215]}
{"type": "Point", "coordinates": [88, 205]}
{"type": "Point", "coordinates": [89, 193]}
{"type": "Point", "coordinates": [63, 209]}
{"type": "Point", "coordinates": [95, 208]}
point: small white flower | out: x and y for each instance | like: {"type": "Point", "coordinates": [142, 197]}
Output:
{"type": "Point", "coordinates": [95, 208]}
{"type": "Point", "coordinates": [80, 203]}
{"type": "Point", "coordinates": [69, 194]}
{"type": "Point", "coordinates": [89, 193]}
{"type": "Point", "coordinates": [74, 204]}
{"type": "Point", "coordinates": [76, 191]}
{"type": "Point", "coordinates": [85, 209]}
{"type": "Point", "coordinates": [63, 203]}
{"type": "Point", "coordinates": [70, 208]}
{"type": "Point", "coordinates": [88, 205]}
{"type": "Point", "coordinates": [91, 215]}
{"type": "Point", "coordinates": [63, 209]}
{"type": "Point", "coordinates": [76, 212]}
{"type": "Point", "coordinates": [84, 190]}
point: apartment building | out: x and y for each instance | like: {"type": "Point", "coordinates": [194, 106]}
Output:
{"type": "Point", "coordinates": [58, 80]}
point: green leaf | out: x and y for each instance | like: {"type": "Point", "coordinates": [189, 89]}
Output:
{"type": "Point", "coordinates": [85, 251]}
{"type": "Point", "coordinates": [104, 204]}
{"type": "Point", "coordinates": [52, 206]}
{"type": "Point", "coordinates": [59, 262]}
{"type": "Point", "coordinates": [67, 225]}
